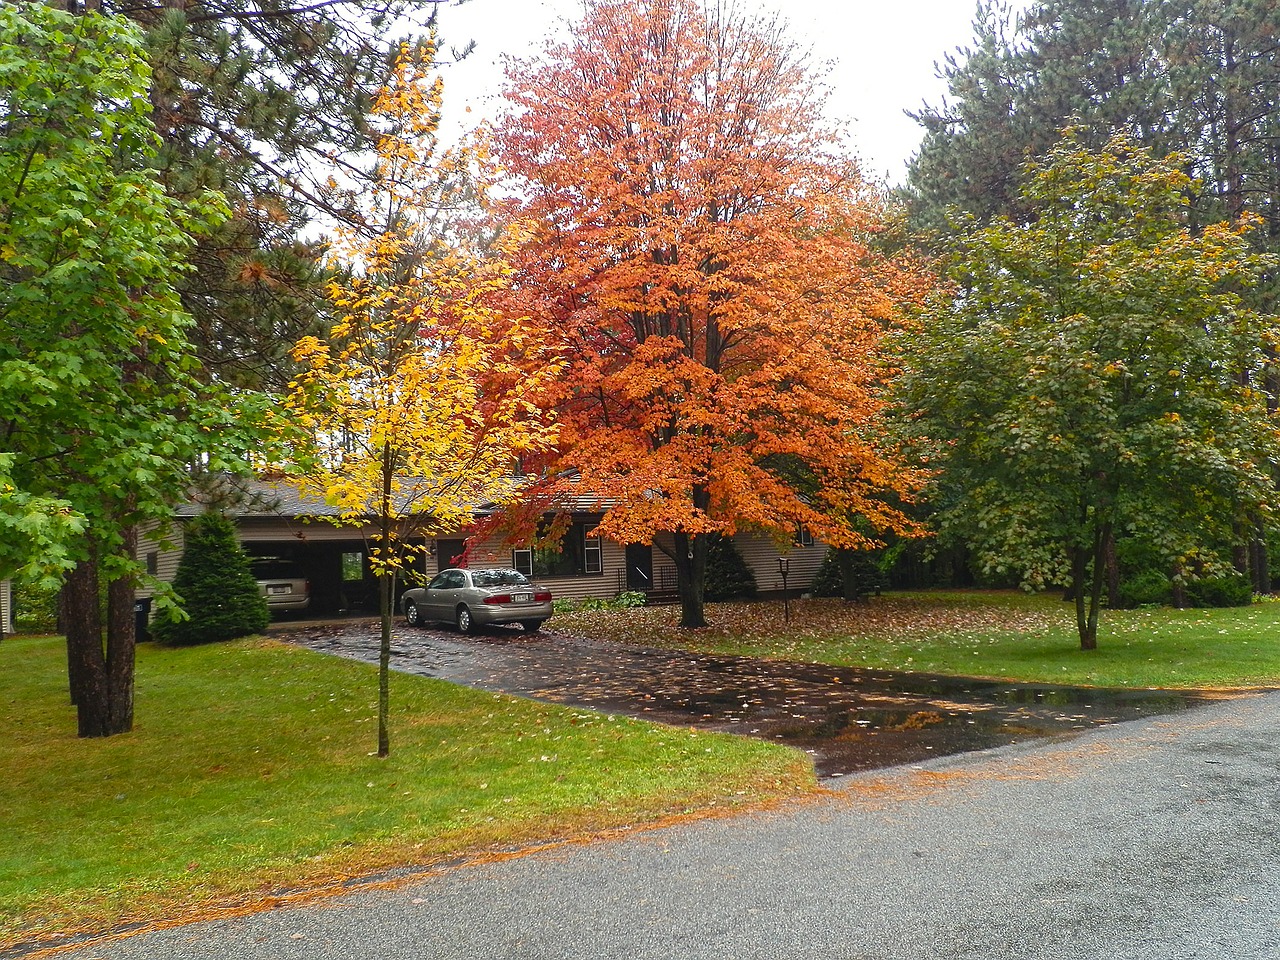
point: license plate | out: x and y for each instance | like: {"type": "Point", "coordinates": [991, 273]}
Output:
{"type": "Point", "coordinates": [520, 598]}
{"type": "Point", "coordinates": [278, 588]}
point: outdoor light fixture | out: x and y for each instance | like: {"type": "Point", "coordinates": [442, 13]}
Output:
{"type": "Point", "coordinates": [784, 567]}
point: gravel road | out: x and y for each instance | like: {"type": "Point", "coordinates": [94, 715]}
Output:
{"type": "Point", "coordinates": [1150, 840]}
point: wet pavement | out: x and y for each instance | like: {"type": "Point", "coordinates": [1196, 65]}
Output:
{"type": "Point", "coordinates": [848, 719]}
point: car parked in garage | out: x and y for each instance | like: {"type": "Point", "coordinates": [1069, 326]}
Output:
{"type": "Point", "coordinates": [475, 598]}
{"type": "Point", "coordinates": [282, 582]}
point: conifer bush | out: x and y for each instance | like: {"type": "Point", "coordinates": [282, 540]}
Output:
{"type": "Point", "coordinates": [728, 576]}
{"type": "Point", "coordinates": [863, 571]}
{"type": "Point", "coordinates": [218, 591]}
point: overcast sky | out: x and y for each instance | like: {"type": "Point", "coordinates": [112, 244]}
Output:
{"type": "Point", "coordinates": [882, 54]}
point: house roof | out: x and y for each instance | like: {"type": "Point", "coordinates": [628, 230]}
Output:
{"type": "Point", "coordinates": [243, 497]}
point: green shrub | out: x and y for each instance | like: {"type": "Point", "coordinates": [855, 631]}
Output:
{"type": "Point", "coordinates": [1146, 588]}
{"type": "Point", "coordinates": [864, 570]}
{"type": "Point", "coordinates": [728, 576]}
{"type": "Point", "coordinates": [218, 591]}
{"type": "Point", "coordinates": [35, 607]}
{"type": "Point", "coordinates": [828, 582]}
{"type": "Point", "coordinates": [1233, 590]}
{"type": "Point", "coordinates": [623, 601]}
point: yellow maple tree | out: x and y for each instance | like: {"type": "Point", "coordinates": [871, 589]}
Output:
{"type": "Point", "coordinates": [414, 403]}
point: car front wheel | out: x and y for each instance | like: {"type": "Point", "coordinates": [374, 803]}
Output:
{"type": "Point", "coordinates": [465, 623]}
{"type": "Point", "coordinates": [530, 626]}
{"type": "Point", "coordinates": [412, 614]}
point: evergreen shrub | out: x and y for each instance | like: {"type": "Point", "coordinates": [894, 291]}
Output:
{"type": "Point", "coordinates": [1145, 588]}
{"type": "Point", "coordinates": [865, 574]}
{"type": "Point", "coordinates": [35, 606]}
{"type": "Point", "coordinates": [218, 591]}
{"type": "Point", "coordinates": [1233, 590]}
{"type": "Point", "coordinates": [728, 576]}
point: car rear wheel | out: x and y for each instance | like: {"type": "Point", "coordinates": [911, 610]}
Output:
{"type": "Point", "coordinates": [465, 623]}
{"type": "Point", "coordinates": [530, 626]}
{"type": "Point", "coordinates": [412, 615]}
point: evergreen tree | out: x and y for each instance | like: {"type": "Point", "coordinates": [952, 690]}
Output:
{"type": "Point", "coordinates": [728, 576]}
{"type": "Point", "coordinates": [264, 101]}
{"type": "Point", "coordinates": [219, 595]}
{"type": "Point", "coordinates": [1196, 76]}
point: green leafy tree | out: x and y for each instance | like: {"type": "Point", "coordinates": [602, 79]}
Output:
{"type": "Point", "coordinates": [1081, 381]}
{"type": "Point", "coordinates": [100, 412]}
{"type": "Point", "coordinates": [1193, 76]}
{"type": "Point", "coordinates": [220, 599]}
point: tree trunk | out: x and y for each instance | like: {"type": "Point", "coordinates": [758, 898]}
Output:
{"type": "Point", "coordinates": [385, 583]}
{"type": "Point", "coordinates": [1179, 588]}
{"type": "Point", "coordinates": [1088, 571]}
{"type": "Point", "coordinates": [122, 639]}
{"type": "Point", "coordinates": [101, 678]}
{"type": "Point", "coordinates": [1079, 566]}
{"type": "Point", "coordinates": [691, 578]}
{"type": "Point", "coordinates": [1089, 639]}
{"type": "Point", "coordinates": [384, 665]}
{"type": "Point", "coordinates": [1259, 561]}
{"type": "Point", "coordinates": [86, 664]}
{"type": "Point", "coordinates": [1112, 567]}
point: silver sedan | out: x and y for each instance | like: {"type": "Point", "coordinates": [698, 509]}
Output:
{"type": "Point", "coordinates": [474, 598]}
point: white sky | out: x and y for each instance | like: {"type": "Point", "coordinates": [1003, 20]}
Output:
{"type": "Point", "coordinates": [882, 54]}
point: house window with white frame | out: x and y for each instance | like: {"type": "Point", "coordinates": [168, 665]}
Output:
{"type": "Point", "coordinates": [576, 554]}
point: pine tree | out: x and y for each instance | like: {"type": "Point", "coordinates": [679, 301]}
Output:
{"type": "Point", "coordinates": [728, 576]}
{"type": "Point", "coordinates": [218, 593]}
{"type": "Point", "coordinates": [264, 101]}
{"type": "Point", "coordinates": [1196, 76]}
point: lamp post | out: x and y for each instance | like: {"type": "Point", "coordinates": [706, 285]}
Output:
{"type": "Point", "coordinates": [784, 567]}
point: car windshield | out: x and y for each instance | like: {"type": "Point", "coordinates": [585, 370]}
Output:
{"type": "Point", "coordinates": [499, 578]}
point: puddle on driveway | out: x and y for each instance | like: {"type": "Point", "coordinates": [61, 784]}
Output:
{"type": "Point", "coordinates": [847, 718]}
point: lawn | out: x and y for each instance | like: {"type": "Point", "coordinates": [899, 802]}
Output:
{"type": "Point", "coordinates": [1002, 634]}
{"type": "Point", "coordinates": [250, 768]}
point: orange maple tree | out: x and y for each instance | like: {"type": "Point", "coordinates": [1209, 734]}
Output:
{"type": "Point", "coordinates": [702, 255]}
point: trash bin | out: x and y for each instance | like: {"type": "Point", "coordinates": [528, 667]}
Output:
{"type": "Point", "coordinates": [142, 619]}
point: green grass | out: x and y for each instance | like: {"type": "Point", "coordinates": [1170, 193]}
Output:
{"type": "Point", "coordinates": [1001, 634]}
{"type": "Point", "coordinates": [249, 769]}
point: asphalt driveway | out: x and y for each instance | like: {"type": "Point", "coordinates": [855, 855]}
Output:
{"type": "Point", "coordinates": [1155, 839]}
{"type": "Point", "coordinates": [849, 719]}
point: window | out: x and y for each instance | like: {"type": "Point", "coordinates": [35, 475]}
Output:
{"type": "Point", "coordinates": [575, 555]}
{"type": "Point", "coordinates": [153, 563]}
{"type": "Point", "coordinates": [449, 580]}
{"type": "Point", "coordinates": [353, 566]}
{"type": "Point", "coordinates": [804, 537]}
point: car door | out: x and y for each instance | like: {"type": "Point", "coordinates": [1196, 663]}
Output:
{"type": "Point", "coordinates": [433, 603]}
{"type": "Point", "coordinates": [445, 597]}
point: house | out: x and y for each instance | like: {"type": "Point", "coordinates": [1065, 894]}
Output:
{"type": "Point", "coordinates": [6, 607]}
{"type": "Point", "coordinates": [275, 520]}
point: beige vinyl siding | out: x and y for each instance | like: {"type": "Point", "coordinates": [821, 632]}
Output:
{"type": "Point", "coordinates": [761, 554]}
{"type": "Point", "coordinates": [259, 530]}
{"type": "Point", "coordinates": [167, 546]}
{"type": "Point", "coordinates": [6, 607]}
{"type": "Point", "coordinates": [664, 567]}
